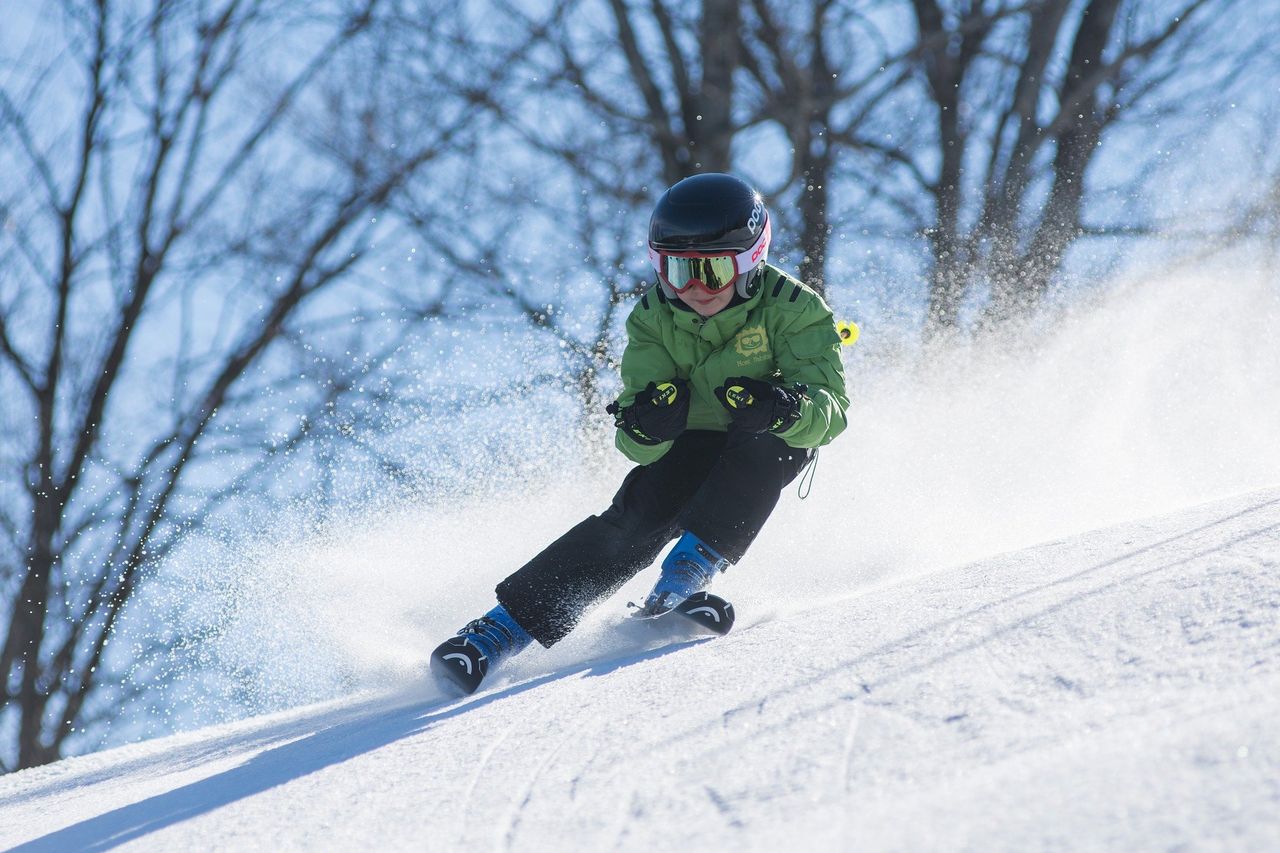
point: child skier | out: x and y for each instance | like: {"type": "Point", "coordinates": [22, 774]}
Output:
{"type": "Point", "coordinates": [731, 376]}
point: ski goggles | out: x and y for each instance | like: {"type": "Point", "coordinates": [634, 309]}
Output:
{"type": "Point", "coordinates": [714, 272]}
{"type": "Point", "coordinates": [682, 271]}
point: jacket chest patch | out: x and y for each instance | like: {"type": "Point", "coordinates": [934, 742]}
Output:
{"type": "Point", "coordinates": [752, 343]}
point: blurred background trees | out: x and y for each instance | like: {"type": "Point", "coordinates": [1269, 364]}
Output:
{"type": "Point", "coordinates": [237, 235]}
{"type": "Point", "coordinates": [193, 190]}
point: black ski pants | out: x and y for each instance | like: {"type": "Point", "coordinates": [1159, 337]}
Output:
{"type": "Point", "coordinates": [719, 486]}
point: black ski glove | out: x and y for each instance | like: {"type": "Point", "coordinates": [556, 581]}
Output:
{"type": "Point", "coordinates": [759, 406]}
{"type": "Point", "coordinates": [658, 414]}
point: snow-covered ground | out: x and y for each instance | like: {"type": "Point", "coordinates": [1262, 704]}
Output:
{"type": "Point", "coordinates": [1115, 690]}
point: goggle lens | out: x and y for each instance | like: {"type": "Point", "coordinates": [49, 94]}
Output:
{"type": "Point", "coordinates": [715, 273]}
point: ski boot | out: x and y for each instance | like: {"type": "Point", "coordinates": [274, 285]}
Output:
{"type": "Point", "coordinates": [464, 660]}
{"type": "Point", "coordinates": [686, 573]}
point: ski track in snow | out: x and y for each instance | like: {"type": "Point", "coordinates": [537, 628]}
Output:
{"type": "Point", "coordinates": [1115, 690]}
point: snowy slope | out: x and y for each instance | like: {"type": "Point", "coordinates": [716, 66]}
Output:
{"type": "Point", "coordinates": [1115, 690]}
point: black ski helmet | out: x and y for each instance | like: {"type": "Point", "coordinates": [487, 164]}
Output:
{"type": "Point", "coordinates": [713, 213]}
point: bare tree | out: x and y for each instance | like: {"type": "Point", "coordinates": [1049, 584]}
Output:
{"type": "Point", "coordinates": [175, 227]}
{"type": "Point", "coordinates": [819, 70]}
{"type": "Point", "coordinates": [680, 87]}
{"type": "Point", "coordinates": [662, 90]}
{"type": "Point", "coordinates": [1022, 96]}
{"type": "Point", "coordinates": [977, 126]}
{"type": "Point", "coordinates": [680, 62]}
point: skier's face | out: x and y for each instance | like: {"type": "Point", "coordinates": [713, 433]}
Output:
{"type": "Point", "coordinates": [705, 302]}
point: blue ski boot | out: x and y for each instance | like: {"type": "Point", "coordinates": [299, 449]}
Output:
{"type": "Point", "coordinates": [464, 660]}
{"type": "Point", "coordinates": [688, 569]}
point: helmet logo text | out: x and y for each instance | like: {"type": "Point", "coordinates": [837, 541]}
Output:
{"type": "Point", "coordinates": [757, 214]}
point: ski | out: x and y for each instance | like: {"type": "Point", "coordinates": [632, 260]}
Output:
{"type": "Point", "coordinates": [460, 664]}
{"type": "Point", "coordinates": [709, 613]}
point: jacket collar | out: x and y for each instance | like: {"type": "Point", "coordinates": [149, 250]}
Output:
{"type": "Point", "coordinates": [718, 329]}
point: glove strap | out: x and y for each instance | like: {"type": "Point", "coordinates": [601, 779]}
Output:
{"type": "Point", "coordinates": [625, 420]}
{"type": "Point", "coordinates": [787, 414]}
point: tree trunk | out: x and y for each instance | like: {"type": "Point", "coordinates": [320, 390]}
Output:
{"type": "Point", "coordinates": [710, 127]}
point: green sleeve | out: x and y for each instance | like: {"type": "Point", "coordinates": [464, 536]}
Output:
{"type": "Point", "coordinates": [646, 359]}
{"type": "Point", "coordinates": [810, 354]}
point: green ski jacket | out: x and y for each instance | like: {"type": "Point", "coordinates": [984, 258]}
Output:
{"type": "Point", "coordinates": [784, 333]}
